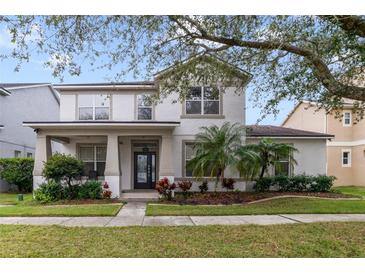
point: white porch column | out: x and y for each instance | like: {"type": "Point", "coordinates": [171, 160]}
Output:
{"type": "Point", "coordinates": [112, 171]}
{"type": "Point", "coordinates": [43, 151]}
{"type": "Point", "coordinates": [166, 159]}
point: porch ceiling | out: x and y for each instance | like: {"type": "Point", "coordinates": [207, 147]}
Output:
{"type": "Point", "coordinates": [60, 125]}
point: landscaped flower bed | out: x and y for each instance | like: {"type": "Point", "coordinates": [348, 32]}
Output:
{"type": "Point", "coordinates": [215, 198]}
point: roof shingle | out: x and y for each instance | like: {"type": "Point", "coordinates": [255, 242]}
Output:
{"type": "Point", "coordinates": [276, 131]}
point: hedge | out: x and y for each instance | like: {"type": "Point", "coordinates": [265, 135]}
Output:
{"type": "Point", "coordinates": [18, 171]}
{"type": "Point", "coordinates": [297, 183]}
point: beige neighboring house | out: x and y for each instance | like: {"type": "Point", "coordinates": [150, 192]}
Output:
{"type": "Point", "coordinates": [346, 152]}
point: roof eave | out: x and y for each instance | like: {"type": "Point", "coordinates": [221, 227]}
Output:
{"type": "Point", "coordinates": [290, 137]}
{"type": "Point", "coordinates": [4, 91]}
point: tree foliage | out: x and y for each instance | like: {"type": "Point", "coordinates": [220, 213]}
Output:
{"type": "Point", "coordinates": [18, 171]}
{"type": "Point", "coordinates": [63, 168]}
{"type": "Point", "coordinates": [271, 152]}
{"type": "Point", "coordinates": [316, 58]}
{"type": "Point", "coordinates": [215, 149]}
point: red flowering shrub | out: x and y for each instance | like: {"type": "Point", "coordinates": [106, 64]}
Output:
{"type": "Point", "coordinates": [185, 186]}
{"type": "Point", "coordinates": [164, 188]}
{"type": "Point", "coordinates": [106, 192]}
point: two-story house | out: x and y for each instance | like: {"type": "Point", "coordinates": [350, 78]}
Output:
{"type": "Point", "coordinates": [346, 152]}
{"type": "Point", "coordinates": [130, 141]}
{"type": "Point", "coordinates": [19, 102]}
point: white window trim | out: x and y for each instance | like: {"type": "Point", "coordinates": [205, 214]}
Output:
{"type": "Point", "coordinates": [349, 157]}
{"type": "Point", "coordinates": [202, 100]}
{"type": "Point", "coordinates": [94, 147]}
{"type": "Point", "coordinates": [343, 119]}
{"type": "Point", "coordinates": [93, 108]}
{"type": "Point", "coordinates": [151, 107]}
{"type": "Point", "coordinates": [185, 158]}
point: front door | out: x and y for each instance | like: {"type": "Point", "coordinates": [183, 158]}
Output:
{"type": "Point", "coordinates": [144, 170]}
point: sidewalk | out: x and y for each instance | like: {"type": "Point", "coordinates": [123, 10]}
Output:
{"type": "Point", "coordinates": [133, 214]}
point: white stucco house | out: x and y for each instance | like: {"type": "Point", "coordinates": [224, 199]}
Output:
{"type": "Point", "coordinates": [131, 143]}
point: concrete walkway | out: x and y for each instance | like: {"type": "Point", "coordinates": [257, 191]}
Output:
{"type": "Point", "coordinates": [133, 214]}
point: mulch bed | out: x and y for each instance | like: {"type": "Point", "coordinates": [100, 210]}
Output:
{"type": "Point", "coordinates": [226, 198]}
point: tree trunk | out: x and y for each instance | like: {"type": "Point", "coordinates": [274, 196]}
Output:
{"type": "Point", "coordinates": [263, 169]}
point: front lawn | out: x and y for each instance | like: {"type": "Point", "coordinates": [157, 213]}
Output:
{"type": "Point", "coordinates": [11, 198]}
{"type": "Point", "coordinates": [61, 210]}
{"type": "Point", "coordinates": [352, 190]}
{"type": "Point", "coordinates": [294, 240]}
{"type": "Point", "coordinates": [277, 206]}
{"type": "Point", "coordinates": [29, 207]}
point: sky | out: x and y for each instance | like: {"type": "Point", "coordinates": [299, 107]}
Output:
{"type": "Point", "coordinates": [35, 71]}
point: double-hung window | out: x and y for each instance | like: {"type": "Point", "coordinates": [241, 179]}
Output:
{"type": "Point", "coordinates": [144, 107]}
{"type": "Point", "coordinates": [94, 158]}
{"type": "Point", "coordinates": [202, 101]}
{"type": "Point", "coordinates": [346, 158]}
{"type": "Point", "coordinates": [347, 119]}
{"type": "Point", "coordinates": [189, 154]}
{"type": "Point", "coordinates": [94, 107]}
{"type": "Point", "coordinates": [282, 166]}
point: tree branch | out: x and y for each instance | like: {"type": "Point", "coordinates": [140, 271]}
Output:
{"type": "Point", "coordinates": [319, 67]}
{"type": "Point", "coordinates": [350, 23]}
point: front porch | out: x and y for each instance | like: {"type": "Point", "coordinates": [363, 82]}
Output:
{"type": "Point", "coordinates": [127, 156]}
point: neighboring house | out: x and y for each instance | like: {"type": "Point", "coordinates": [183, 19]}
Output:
{"type": "Point", "coordinates": [346, 152]}
{"type": "Point", "coordinates": [19, 102]}
{"type": "Point", "coordinates": [129, 142]}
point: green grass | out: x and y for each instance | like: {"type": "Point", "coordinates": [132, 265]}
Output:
{"type": "Point", "coordinates": [353, 190]}
{"type": "Point", "coordinates": [11, 198]}
{"type": "Point", "coordinates": [29, 207]}
{"type": "Point", "coordinates": [61, 210]}
{"type": "Point", "coordinates": [277, 206]}
{"type": "Point", "coordinates": [294, 240]}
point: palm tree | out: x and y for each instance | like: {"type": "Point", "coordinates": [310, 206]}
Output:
{"type": "Point", "coordinates": [270, 153]}
{"type": "Point", "coordinates": [215, 149]}
{"type": "Point", "coordinates": [248, 163]}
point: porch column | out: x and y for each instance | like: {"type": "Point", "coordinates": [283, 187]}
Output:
{"type": "Point", "coordinates": [112, 172]}
{"type": "Point", "coordinates": [43, 152]}
{"type": "Point", "coordinates": [166, 159]}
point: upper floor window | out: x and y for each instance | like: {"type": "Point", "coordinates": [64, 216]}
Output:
{"type": "Point", "coordinates": [202, 100]}
{"type": "Point", "coordinates": [94, 107]}
{"type": "Point", "coordinates": [144, 107]}
{"type": "Point", "coordinates": [347, 118]}
{"type": "Point", "coordinates": [17, 153]}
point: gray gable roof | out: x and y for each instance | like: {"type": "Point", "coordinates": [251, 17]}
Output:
{"type": "Point", "coordinates": [20, 85]}
{"type": "Point", "coordinates": [134, 83]}
{"type": "Point", "coordinates": [276, 131]}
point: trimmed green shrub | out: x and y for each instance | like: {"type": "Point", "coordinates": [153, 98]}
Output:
{"type": "Point", "coordinates": [228, 183]}
{"type": "Point", "coordinates": [204, 186]}
{"type": "Point", "coordinates": [64, 169]}
{"type": "Point", "coordinates": [90, 190]}
{"type": "Point", "coordinates": [263, 184]}
{"type": "Point", "coordinates": [49, 192]}
{"type": "Point", "coordinates": [18, 171]}
{"type": "Point", "coordinates": [297, 183]}
{"type": "Point", "coordinates": [322, 183]}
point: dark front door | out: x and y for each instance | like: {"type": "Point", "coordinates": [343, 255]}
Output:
{"type": "Point", "coordinates": [144, 170]}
